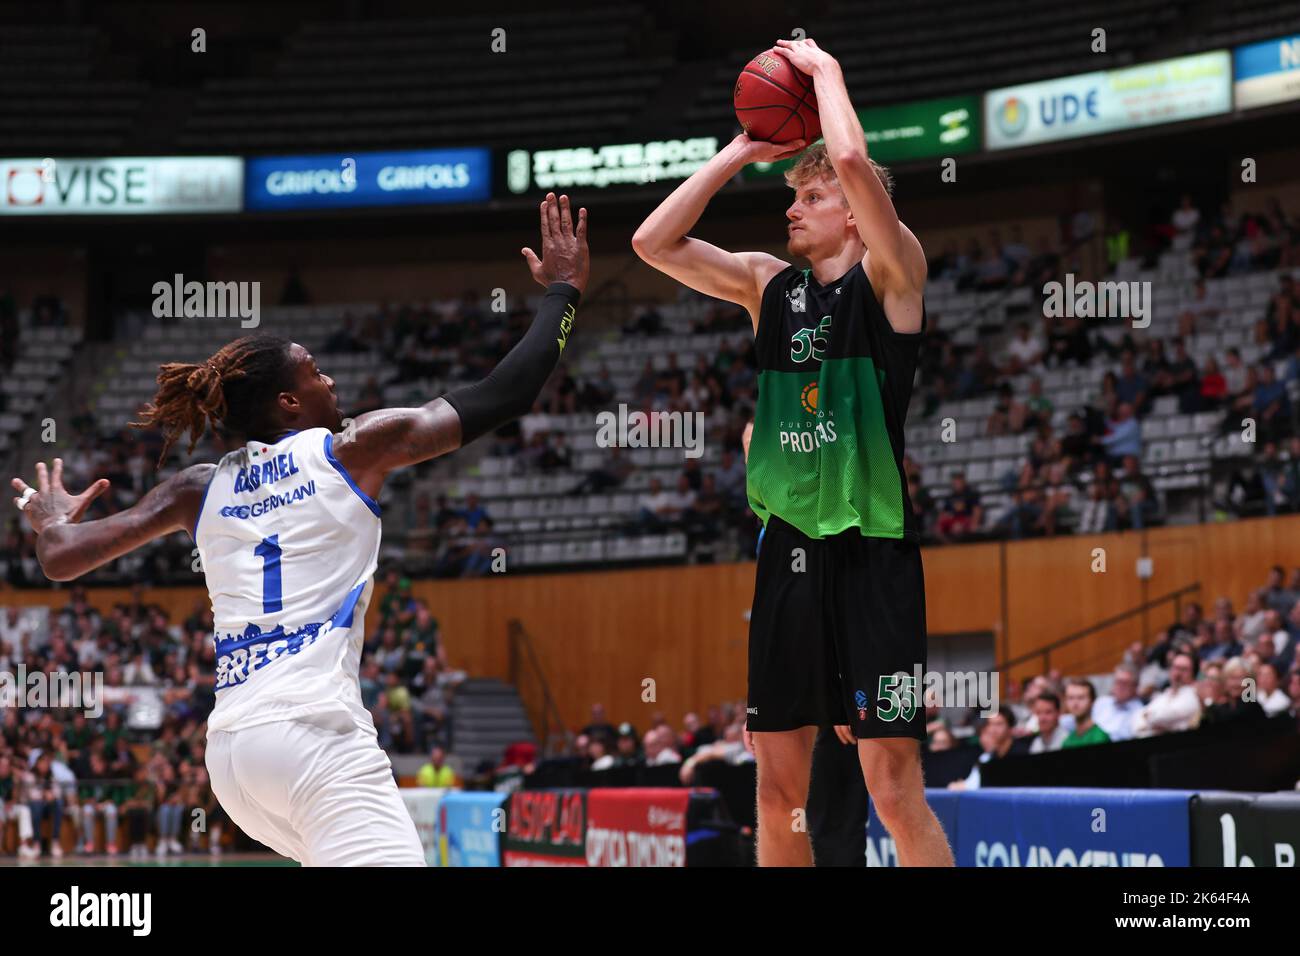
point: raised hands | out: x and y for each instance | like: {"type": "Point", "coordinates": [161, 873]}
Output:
{"type": "Point", "coordinates": [49, 503]}
{"type": "Point", "coordinates": [564, 249]}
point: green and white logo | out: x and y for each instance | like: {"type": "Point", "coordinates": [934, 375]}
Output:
{"type": "Point", "coordinates": [810, 343]}
{"type": "Point", "coordinates": [896, 697]}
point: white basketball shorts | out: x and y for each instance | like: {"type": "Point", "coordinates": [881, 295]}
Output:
{"type": "Point", "coordinates": [318, 790]}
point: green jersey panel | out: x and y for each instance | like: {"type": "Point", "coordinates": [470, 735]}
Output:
{"type": "Point", "coordinates": [834, 383]}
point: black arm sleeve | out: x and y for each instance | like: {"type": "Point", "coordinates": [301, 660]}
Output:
{"type": "Point", "coordinates": [510, 389]}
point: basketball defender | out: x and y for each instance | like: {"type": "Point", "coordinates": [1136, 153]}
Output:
{"type": "Point", "coordinates": [288, 531]}
{"type": "Point", "coordinates": [838, 621]}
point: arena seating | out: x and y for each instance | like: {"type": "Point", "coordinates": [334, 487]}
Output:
{"type": "Point", "coordinates": [544, 526]}
{"type": "Point", "coordinates": [62, 91]}
{"type": "Point", "coordinates": [383, 83]}
{"type": "Point", "coordinates": [1173, 452]}
{"type": "Point", "coordinates": [43, 355]}
{"type": "Point", "coordinates": [1244, 21]}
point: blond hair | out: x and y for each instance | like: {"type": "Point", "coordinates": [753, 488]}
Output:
{"type": "Point", "coordinates": [815, 161]}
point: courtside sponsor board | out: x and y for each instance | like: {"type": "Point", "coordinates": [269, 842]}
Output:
{"type": "Point", "coordinates": [470, 828]}
{"type": "Point", "coordinates": [422, 805]}
{"type": "Point", "coordinates": [943, 127]}
{"type": "Point", "coordinates": [341, 180]}
{"type": "Point", "coordinates": [1166, 91]}
{"type": "Point", "coordinates": [1046, 826]}
{"type": "Point", "coordinates": [121, 185]}
{"type": "Point", "coordinates": [637, 826]}
{"type": "Point", "coordinates": [1245, 829]}
{"type": "Point", "coordinates": [1266, 73]}
{"type": "Point", "coordinates": [1049, 826]}
{"type": "Point", "coordinates": [546, 828]}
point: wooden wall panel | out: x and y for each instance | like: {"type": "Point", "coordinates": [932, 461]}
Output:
{"type": "Point", "coordinates": [598, 636]}
{"type": "Point", "coordinates": [963, 588]}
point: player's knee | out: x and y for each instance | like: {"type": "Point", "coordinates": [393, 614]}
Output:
{"type": "Point", "coordinates": [781, 793]}
{"type": "Point", "coordinates": [891, 798]}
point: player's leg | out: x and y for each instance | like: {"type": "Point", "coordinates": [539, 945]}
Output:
{"type": "Point", "coordinates": [792, 687]}
{"type": "Point", "coordinates": [837, 803]}
{"type": "Point", "coordinates": [784, 765]}
{"type": "Point", "coordinates": [347, 807]}
{"type": "Point", "coordinates": [880, 634]}
{"type": "Point", "coordinates": [254, 760]}
{"type": "Point", "coordinates": [891, 767]}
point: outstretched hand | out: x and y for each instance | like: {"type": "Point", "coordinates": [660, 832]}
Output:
{"type": "Point", "coordinates": [564, 249]}
{"type": "Point", "coordinates": [49, 503]}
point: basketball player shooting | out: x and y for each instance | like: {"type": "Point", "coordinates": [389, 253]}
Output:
{"type": "Point", "coordinates": [287, 527]}
{"type": "Point", "coordinates": [837, 628]}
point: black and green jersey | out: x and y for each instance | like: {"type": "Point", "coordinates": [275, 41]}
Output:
{"type": "Point", "coordinates": [834, 380]}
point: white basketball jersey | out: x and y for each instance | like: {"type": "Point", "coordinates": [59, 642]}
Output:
{"type": "Point", "coordinates": [289, 544]}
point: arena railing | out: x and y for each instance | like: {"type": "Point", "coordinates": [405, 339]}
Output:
{"type": "Point", "coordinates": [1045, 652]}
{"type": "Point", "coordinates": [529, 680]}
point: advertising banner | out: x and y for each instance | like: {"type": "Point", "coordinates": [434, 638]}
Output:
{"type": "Point", "coordinates": [547, 828]}
{"type": "Point", "coordinates": [123, 185]}
{"type": "Point", "coordinates": [1106, 101]}
{"type": "Point", "coordinates": [422, 805]}
{"type": "Point", "coordinates": [1266, 73]}
{"type": "Point", "coordinates": [907, 131]}
{"type": "Point", "coordinates": [598, 167]}
{"type": "Point", "coordinates": [637, 826]}
{"type": "Point", "coordinates": [1245, 829]}
{"type": "Point", "coordinates": [1044, 826]}
{"type": "Point", "coordinates": [470, 827]}
{"type": "Point", "coordinates": [339, 180]}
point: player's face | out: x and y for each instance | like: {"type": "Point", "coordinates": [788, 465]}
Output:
{"type": "Point", "coordinates": [818, 219]}
{"type": "Point", "coordinates": [315, 392]}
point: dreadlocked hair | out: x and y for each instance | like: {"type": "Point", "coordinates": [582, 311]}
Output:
{"type": "Point", "coordinates": [233, 390]}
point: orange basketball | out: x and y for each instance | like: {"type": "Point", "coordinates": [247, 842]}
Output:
{"type": "Point", "coordinates": [775, 102]}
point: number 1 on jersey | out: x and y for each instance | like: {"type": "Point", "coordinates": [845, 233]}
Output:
{"type": "Point", "coordinates": [269, 552]}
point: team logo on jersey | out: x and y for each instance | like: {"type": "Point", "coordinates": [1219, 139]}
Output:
{"type": "Point", "coordinates": [862, 702]}
{"type": "Point", "coordinates": [798, 296]}
{"type": "Point", "coordinates": [269, 503]}
{"type": "Point", "coordinates": [808, 399]}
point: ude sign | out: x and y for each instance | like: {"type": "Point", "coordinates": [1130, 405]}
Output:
{"type": "Point", "coordinates": [1106, 101]}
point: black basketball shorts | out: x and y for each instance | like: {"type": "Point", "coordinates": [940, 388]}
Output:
{"type": "Point", "coordinates": [837, 634]}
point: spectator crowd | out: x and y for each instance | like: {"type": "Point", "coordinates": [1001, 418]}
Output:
{"type": "Point", "coordinates": [132, 758]}
{"type": "Point", "coordinates": [1232, 667]}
